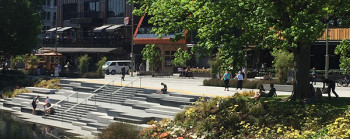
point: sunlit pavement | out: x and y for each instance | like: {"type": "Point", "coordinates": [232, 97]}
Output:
{"type": "Point", "coordinates": [187, 86]}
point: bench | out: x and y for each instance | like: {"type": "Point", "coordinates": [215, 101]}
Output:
{"type": "Point", "coordinates": [162, 74]}
{"type": "Point", "coordinates": [141, 73]}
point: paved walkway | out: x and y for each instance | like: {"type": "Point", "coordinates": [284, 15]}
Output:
{"type": "Point", "coordinates": [188, 86]}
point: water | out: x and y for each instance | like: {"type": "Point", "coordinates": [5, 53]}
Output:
{"type": "Point", "coordinates": [12, 127]}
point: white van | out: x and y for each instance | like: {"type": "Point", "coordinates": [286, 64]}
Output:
{"type": "Point", "coordinates": [113, 67]}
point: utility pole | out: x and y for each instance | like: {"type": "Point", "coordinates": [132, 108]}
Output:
{"type": "Point", "coordinates": [132, 40]}
{"type": "Point", "coordinates": [327, 55]}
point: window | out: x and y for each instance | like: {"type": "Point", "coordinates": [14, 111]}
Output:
{"type": "Point", "coordinates": [116, 8]}
{"type": "Point", "coordinates": [48, 16]}
{"type": "Point", "coordinates": [113, 64]}
{"type": "Point", "coordinates": [92, 6]}
{"type": "Point", "coordinates": [54, 16]}
{"type": "Point", "coordinates": [169, 56]}
{"type": "Point", "coordinates": [123, 63]}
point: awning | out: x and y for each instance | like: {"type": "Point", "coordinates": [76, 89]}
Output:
{"type": "Point", "coordinates": [53, 29]}
{"type": "Point", "coordinates": [112, 28]}
{"type": "Point", "coordinates": [99, 29]}
{"type": "Point", "coordinates": [82, 50]}
{"type": "Point", "coordinates": [63, 29]}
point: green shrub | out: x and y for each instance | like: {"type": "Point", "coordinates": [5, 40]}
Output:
{"type": "Point", "coordinates": [83, 63]}
{"type": "Point", "coordinates": [33, 61]}
{"type": "Point", "coordinates": [120, 131]}
{"type": "Point", "coordinates": [99, 65]}
{"type": "Point", "coordinates": [50, 84]}
{"type": "Point", "coordinates": [283, 62]}
{"type": "Point", "coordinates": [251, 84]}
{"type": "Point", "coordinates": [241, 117]}
{"type": "Point", "coordinates": [19, 91]}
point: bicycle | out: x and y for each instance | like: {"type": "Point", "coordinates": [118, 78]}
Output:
{"type": "Point", "coordinates": [343, 82]}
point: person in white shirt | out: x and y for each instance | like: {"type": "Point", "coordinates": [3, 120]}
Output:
{"type": "Point", "coordinates": [240, 80]}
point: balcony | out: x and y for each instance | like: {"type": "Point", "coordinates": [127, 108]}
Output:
{"type": "Point", "coordinates": [83, 17]}
{"type": "Point", "coordinates": [336, 34]}
{"type": "Point", "coordinates": [92, 42]}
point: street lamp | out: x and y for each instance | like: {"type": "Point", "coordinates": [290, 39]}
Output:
{"type": "Point", "coordinates": [327, 55]}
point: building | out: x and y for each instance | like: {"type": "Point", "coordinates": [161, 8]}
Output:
{"type": "Point", "coordinates": [94, 27]}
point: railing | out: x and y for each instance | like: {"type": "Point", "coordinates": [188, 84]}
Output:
{"type": "Point", "coordinates": [94, 94]}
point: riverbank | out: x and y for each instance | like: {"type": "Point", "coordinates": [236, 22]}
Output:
{"type": "Point", "coordinates": [68, 129]}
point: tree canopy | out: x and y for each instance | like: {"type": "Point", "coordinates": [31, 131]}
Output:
{"type": "Point", "coordinates": [233, 24]}
{"type": "Point", "coordinates": [343, 49]}
{"type": "Point", "coordinates": [19, 26]}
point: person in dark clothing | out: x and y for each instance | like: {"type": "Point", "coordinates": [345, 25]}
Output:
{"type": "Point", "coordinates": [123, 72]}
{"type": "Point", "coordinates": [164, 89]}
{"type": "Point", "coordinates": [34, 103]}
{"type": "Point", "coordinates": [331, 85]}
{"type": "Point", "coordinates": [272, 91]}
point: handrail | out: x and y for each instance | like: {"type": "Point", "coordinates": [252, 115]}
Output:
{"type": "Point", "coordinates": [77, 92]}
{"type": "Point", "coordinates": [94, 95]}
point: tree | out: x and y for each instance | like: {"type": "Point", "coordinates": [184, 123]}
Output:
{"type": "Point", "coordinates": [282, 63]}
{"type": "Point", "coordinates": [151, 54]}
{"type": "Point", "coordinates": [343, 49]}
{"type": "Point", "coordinates": [83, 63]}
{"type": "Point", "coordinates": [100, 63]}
{"type": "Point", "coordinates": [33, 61]}
{"type": "Point", "coordinates": [233, 24]}
{"type": "Point", "coordinates": [20, 25]}
{"type": "Point", "coordinates": [181, 57]}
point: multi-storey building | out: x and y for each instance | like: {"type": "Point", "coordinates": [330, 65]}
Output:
{"type": "Point", "coordinates": [94, 27]}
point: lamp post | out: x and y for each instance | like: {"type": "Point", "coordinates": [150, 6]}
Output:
{"type": "Point", "coordinates": [132, 39]}
{"type": "Point", "coordinates": [327, 55]}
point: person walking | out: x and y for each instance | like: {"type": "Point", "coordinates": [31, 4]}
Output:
{"type": "Point", "coordinates": [123, 72]}
{"type": "Point", "coordinates": [331, 85]}
{"type": "Point", "coordinates": [34, 103]}
{"type": "Point", "coordinates": [239, 80]}
{"type": "Point", "coordinates": [313, 76]}
{"type": "Point", "coordinates": [226, 77]}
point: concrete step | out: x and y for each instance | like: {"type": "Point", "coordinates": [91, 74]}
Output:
{"type": "Point", "coordinates": [76, 123]}
{"type": "Point", "coordinates": [155, 111]}
{"type": "Point", "coordinates": [94, 115]}
{"type": "Point", "coordinates": [129, 120]}
{"type": "Point", "coordinates": [99, 126]}
{"type": "Point", "coordinates": [89, 128]}
{"type": "Point", "coordinates": [86, 120]}
{"type": "Point", "coordinates": [40, 90]}
{"type": "Point", "coordinates": [104, 119]}
{"type": "Point", "coordinates": [95, 133]}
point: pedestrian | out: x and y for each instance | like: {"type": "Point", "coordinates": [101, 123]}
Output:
{"type": "Point", "coordinates": [47, 102]}
{"type": "Point", "coordinates": [313, 76]}
{"type": "Point", "coordinates": [59, 68]}
{"type": "Point", "coordinates": [226, 79]}
{"type": "Point", "coordinates": [239, 80]}
{"type": "Point", "coordinates": [141, 68]}
{"type": "Point", "coordinates": [34, 103]}
{"type": "Point", "coordinates": [331, 85]}
{"type": "Point", "coordinates": [272, 91]}
{"type": "Point", "coordinates": [123, 72]}
{"type": "Point", "coordinates": [164, 89]}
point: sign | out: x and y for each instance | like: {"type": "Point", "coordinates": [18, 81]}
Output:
{"type": "Point", "coordinates": [126, 20]}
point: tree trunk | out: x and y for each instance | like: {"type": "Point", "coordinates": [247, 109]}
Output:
{"type": "Point", "coordinates": [301, 85]}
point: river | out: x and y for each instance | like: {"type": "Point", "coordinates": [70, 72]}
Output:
{"type": "Point", "coordinates": [12, 127]}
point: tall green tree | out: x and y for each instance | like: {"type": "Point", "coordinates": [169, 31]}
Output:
{"type": "Point", "coordinates": [181, 57]}
{"type": "Point", "coordinates": [233, 24]}
{"type": "Point", "coordinates": [282, 63]}
{"type": "Point", "coordinates": [343, 49]}
{"type": "Point", "coordinates": [20, 25]}
{"type": "Point", "coordinates": [100, 63]}
{"type": "Point", "coordinates": [151, 54]}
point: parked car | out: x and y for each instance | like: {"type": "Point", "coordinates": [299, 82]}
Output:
{"type": "Point", "coordinates": [113, 67]}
